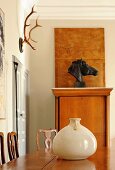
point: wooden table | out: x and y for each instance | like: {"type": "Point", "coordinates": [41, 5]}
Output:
{"type": "Point", "coordinates": [103, 159]}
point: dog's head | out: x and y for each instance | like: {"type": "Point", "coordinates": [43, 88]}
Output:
{"type": "Point", "coordinates": [80, 68]}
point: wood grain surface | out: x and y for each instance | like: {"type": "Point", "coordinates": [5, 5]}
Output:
{"type": "Point", "coordinates": [33, 161]}
{"type": "Point", "coordinates": [91, 110]}
{"type": "Point", "coordinates": [103, 159]}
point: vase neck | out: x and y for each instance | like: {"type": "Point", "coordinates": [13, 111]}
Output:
{"type": "Point", "coordinates": [74, 122]}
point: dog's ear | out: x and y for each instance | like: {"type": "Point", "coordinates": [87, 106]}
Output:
{"type": "Point", "coordinates": [74, 70]}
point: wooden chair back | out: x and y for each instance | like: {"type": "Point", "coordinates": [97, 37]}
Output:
{"type": "Point", "coordinates": [48, 137]}
{"type": "Point", "coordinates": [12, 143]}
{"type": "Point", "coordinates": [2, 148]}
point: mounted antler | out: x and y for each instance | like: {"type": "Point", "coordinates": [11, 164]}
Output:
{"type": "Point", "coordinates": [28, 39]}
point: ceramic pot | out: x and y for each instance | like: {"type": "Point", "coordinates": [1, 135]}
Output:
{"type": "Point", "coordinates": [74, 142]}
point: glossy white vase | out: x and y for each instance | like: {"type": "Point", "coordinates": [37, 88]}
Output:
{"type": "Point", "coordinates": [74, 142]}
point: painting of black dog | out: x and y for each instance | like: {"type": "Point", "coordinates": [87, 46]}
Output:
{"type": "Point", "coordinates": [80, 68]}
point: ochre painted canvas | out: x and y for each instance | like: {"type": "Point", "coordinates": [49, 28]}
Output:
{"type": "Point", "coordinates": [76, 43]}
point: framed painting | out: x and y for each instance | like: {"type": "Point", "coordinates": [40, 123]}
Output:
{"type": "Point", "coordinates": [2, 69]}
{"type": "Point", "coordinates": [72, 44]}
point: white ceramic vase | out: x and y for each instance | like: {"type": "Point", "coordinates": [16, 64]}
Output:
{"type": "Point", "coordinates": [74, 142]}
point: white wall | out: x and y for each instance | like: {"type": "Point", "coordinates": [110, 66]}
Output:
{"type": "Point", "coordinates": [75, 2]}
{"type": "Point", "coordinates": [21, 14]}
{"type": "Point", "coordinates": [74, 9]}
{"type": "Point", "coordinates": [42, 70]}
{"type": "Point", "coordinates": [11, 48]}
{"type": "Point", "coordinates": [13, 29]}
{"type": "Point", "coordinates": [110, 69]}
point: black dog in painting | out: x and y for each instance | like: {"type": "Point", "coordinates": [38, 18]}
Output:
{"type": "Point", "coordinates": [80, 68]}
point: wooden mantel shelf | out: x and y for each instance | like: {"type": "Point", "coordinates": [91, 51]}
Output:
{"type": "Point", "coordinates": [97, 91]}
{"type": "Point", "coordinates": [90, 104]}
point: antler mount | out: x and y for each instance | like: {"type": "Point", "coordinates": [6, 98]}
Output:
{"type": "Point", "coordinates": [28, 39]}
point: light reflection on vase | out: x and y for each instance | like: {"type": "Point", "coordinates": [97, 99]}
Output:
{"type": "Point", "coordinates": [85, 165]}
{"type": "Point", "coordinates": [76, 165]}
